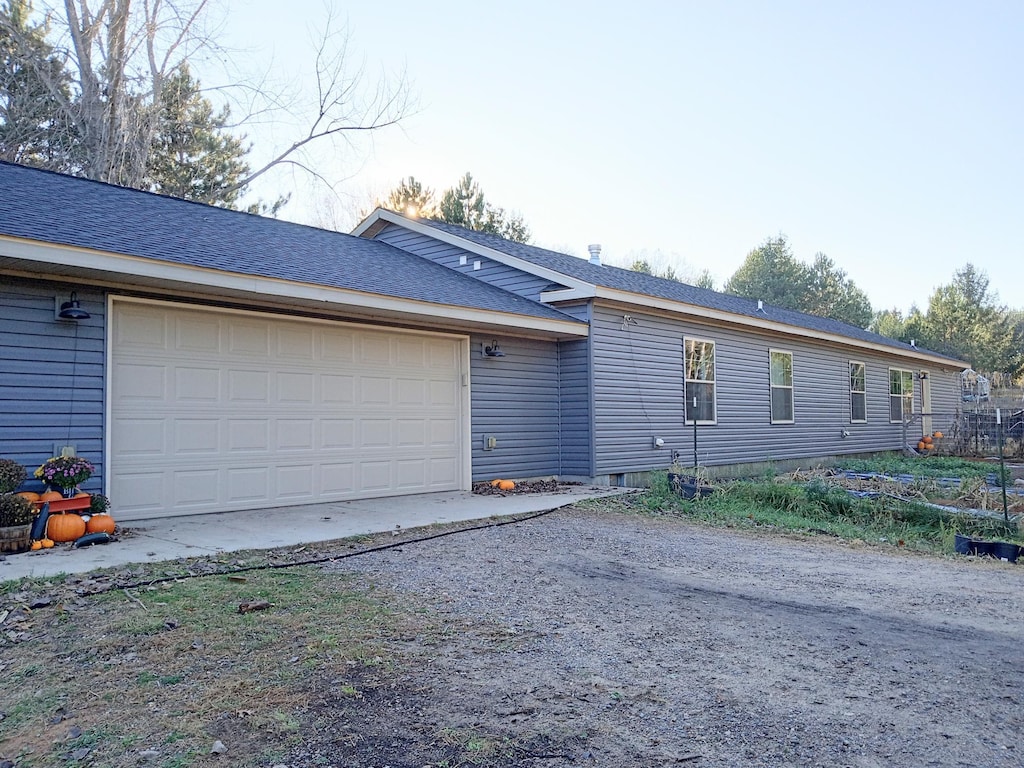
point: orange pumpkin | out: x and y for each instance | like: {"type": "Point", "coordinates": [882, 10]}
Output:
{"type": "Point", "coordinates": [494, 483]}
{"type": "Point", "coordinates": [28, 495]}
{"type": "Point", "coordinates": [37, 545]}
{"type": "Point", "coordinates": [101, 523]}
{"type": "Point", "coordinates": [51, 496]}
{"type": "Point", "coordinates": [506, 485]}
{"type": "Point", "coordinates": [46, 543]}
{"type": "Point", "coordinates": [929, 447]}
{"type": "Point", "coordinates": [921, 445]}
{"type": "Point", "coordinates": [65, 527]}
{"type": "Point", "coordinates": [926, 439]}
{"type": "Point", "coordinates": [937, 435]}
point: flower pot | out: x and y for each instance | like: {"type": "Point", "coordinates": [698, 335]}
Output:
{"type": "Point", "coordinates": [688, 487]}
{"type": "Point", "coordinates": [962, 545]}
{"type": "Point", "coordinates": [981, 547]}
{"type": "Point", "coordinates": [1006, 550]}
{"type": "Point", "coordinates": [15, 538]}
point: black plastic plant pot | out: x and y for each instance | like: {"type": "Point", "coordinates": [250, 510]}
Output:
{"type": "Point", "coordinates": [688, 487]}
{"type": "Point", "coordinates": [980, 547]}
{"type": "Point", "coordinates": [962, 545]}
{"type": "Point", "coordinates": [1006, 550]}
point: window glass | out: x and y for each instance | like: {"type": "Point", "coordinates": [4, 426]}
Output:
{"type": "Point", "coordinates": [858, 395]}
{"type": "Point", "coordinates": [699, 364]}
{"type": "Point", "coordinates": [781, 374]}
{"type": "Point", "coordinates": [901, 394]}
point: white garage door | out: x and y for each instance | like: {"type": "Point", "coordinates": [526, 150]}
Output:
{"type": "Point", "coordinates": [213, 411]}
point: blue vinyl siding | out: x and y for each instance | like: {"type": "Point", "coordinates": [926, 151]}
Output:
{"type": "Point", "coordinates": [638, 395]}
{"type": "Point", "coordinates": [515, 398]}
{"type": "Point", "coordinates": [497, 274]}
{"type": "Point", "coordinates": [51, 386]}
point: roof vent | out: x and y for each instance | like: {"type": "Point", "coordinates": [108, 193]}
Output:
{"type": "Point", "coordinates": [760, 305]}
{"type": "Point", "coordinates": [913, 343]}
{"type": "Point", "coordinates": [595, 254]}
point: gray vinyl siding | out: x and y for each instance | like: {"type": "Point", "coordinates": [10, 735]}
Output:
{"type": "Point", "coordinates": [638, 396]}
{"type": "Point", "coordinates": [493, 272]}
{"type": "Point", "coordinates": [515, 398]}
{"type": "Point", "coordinates": [576, 398]}
{"type": "Point", "coordinates": [50, 394]}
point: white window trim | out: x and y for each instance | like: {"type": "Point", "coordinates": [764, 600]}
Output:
{"type": "Point", "coordinates": [902, 395]}
{"type": "Point", "coordinates": [853, 391]}
{"type": "Point", "coordinates": [713, 382]}
{"type": "Point", "coordinates": [791, 387]}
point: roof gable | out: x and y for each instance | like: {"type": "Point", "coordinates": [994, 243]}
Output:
{"type": "Point", "coordinates": [647, 286]}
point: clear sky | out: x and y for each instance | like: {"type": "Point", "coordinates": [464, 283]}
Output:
{"type": "Point", "coordinates": [887, 135]}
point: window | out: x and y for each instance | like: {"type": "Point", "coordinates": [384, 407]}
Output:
{"type": "Point", "coordinates": [858, 395]}
{"type": "Point", "coordinates": [781, 372]}
{"type": "Point", "coordinates": [901, 394]}
{"type": "Point", "coordinates": [699, 363]}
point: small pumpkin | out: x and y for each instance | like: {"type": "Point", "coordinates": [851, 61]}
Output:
{"type": "Point", "coordinates": [921, 445]}
{"type": "Point", "coordinates": [28, 495]}
{"type": "Point", "coordinates": [938, 435]}
{"type": "Point", "coordinates": [46, 543]}
{"type": "Point", "coordinates": [51, 496]}
{"type": "Point", "coordinates": [65, 527]}
{"type": "Point", "coordinates": [506, 485]}
{"type": "Point", "coordinates": [495, 482]}
{"type": "Point", "coordinates": [100, 524]}
{"type": "Point", "coordinates": [37, 545]}
{"type": "Point", "coordinates": [927, 439]}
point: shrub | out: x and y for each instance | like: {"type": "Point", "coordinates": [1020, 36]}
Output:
{"type": "Point", "coordinates": [11, 475]}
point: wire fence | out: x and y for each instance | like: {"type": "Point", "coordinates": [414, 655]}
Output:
{"type": "Point", "coordinates": [974, 432]}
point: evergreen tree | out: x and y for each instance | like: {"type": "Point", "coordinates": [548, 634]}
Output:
{"type": "Point", "coordinates": [34, 89]}
{"type": "Point", "coordinates": [465, 205]}
{"type": "Point", "coordinates": [771, 273]}
{"type": "Point", "coordinates": [411, 199]}
{"type": "Point", "coordinates": [193, 156]}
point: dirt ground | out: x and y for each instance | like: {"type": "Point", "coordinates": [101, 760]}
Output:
{"type": "Point", "coordinates": [589, 637]}
{"type": "Point", "coordinates": [585, 638]}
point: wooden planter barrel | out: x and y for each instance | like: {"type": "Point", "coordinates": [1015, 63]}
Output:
{"type": "Point", "coordinates": [15, 538]}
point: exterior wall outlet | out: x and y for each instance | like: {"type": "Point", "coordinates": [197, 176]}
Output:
{"type": "Point", "coordinates": [490, 442]}
{"type": "Point", "coordinates": [657, 442]}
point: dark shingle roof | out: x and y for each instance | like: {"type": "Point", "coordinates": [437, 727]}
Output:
{"type": "Point", "coordinates": [54, 208]}
{"type": "Point", "coordinates": [636, 282]}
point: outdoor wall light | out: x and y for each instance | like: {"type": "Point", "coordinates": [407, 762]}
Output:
{"type": "Point", "coordinates": [493, 350]}
{"type": "Point", "coordinates": [923, 375]}
{"type": "Point", "coordinates": [72, 309]}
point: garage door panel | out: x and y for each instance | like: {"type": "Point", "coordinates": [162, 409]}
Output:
{"type": "Point", "coordinates": [141, 382]}
{"type": "Point", "coordinates": [248, 386]}
{"type": "Point", "coordinates": [248, 435]}
{"type": "Point", "coordinates": [250, 340]}
{"type": "Point", "coordinates": [295, 388]}
{"type": "Point", "coordinates": [244, 412]}
{"type": "Point", "coordinates": [197, 334]}
{"type": "Point", "coordinates": [192, 436]}
{"type": "Point", "coordinates": [144, 436]}
{"type": "Point", "coordinates": [294, 435]}
{"type": "Point", "coordinates": [247, 484]}
{"type": "Point", "coordinates": [338, 433]}
{"type": "Point", "coordinates": [196, 487]}
{"type": "Point", "coordinates": [374, 476]}
{"type": "Point", "coordinates": [197, 385]}
{"type": "Point", "coordinates": [337, 478]}
{"type": "Point", "coordinates": [337, 390]}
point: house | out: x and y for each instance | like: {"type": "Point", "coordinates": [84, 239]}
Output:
{"type": "Point", "coordinates": [229, 361]}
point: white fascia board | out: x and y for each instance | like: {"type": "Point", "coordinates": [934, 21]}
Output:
{"type": "Point", "coordinates": [47, 254]}
{"type": "Point", "coordinates": [381, 214]}
{"type": "Point", "coordinates": [676, 308]}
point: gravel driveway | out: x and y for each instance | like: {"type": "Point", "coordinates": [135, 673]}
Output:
{"type": "Point", "coordinates": [592, 638]}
